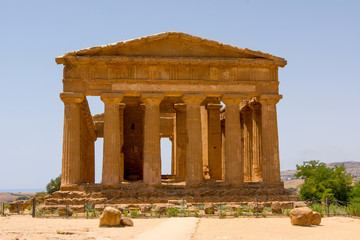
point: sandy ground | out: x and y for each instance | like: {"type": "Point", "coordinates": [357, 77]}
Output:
{"type": "Point", "coordinates": [25, 227]}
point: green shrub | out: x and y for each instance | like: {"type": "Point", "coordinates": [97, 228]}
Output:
{"type": "Point", "coordinates": [53, 185]}
{"type": "Point", "coordinates": [22, 198]}
{"type": "Point", "coordinates": [134, 212]}
{"type": "Point", "coordinates": [40, 194]}
{"type": "Point", "coordinates": [353, 209]}
{"type": "Point", "coordinates": [125, 213]}
{"type": "Point", "coordinates": [172, 212]}
{"type": "Point", "coordinates": [246, 208]}
{"type": "Point", "coordinates": [317, 207]}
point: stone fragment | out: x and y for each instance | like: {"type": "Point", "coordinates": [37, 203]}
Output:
{"type": "Point", "coordinates": [160, 208]}
{"type": "Point", "coordinates": [146, 208]}
{"type": "Point", "coordinates": [276, 207]}
{"type": "Point", "coordinates": [110, 217]}
{"type": "Point", "coordinates": [316, 218]}
{"type": "Point", "coordinates": [126, 222]}
{"type": "Point", "coordinates": [256, 207]}
{"type": "Point", "coordinates": [299, 204]}
{"type": "Point", "coordinates": [301, 216]}
{"type": "Point", "coordinates": [234, 207]}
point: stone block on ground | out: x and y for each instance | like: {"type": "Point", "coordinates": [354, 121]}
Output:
{"type": "Point", "coordinates": [299, 204]}
{"type": "Point", "coordinates": [301, 216]}
{"type": "Point", "coordinates": [316, 218]}
{"type": "Point", "coordinates": [160, 208]}
{"type": "Point", "coordinates": [110, 217]}
{"type": "Point", "coordinates": [234, 207]}
{"type": "Point", "coordinates": [276, 207]}
{"type": "Point", "coordinates": [256, 207]}
{"type": "Point", "coordinates": [126, 222]}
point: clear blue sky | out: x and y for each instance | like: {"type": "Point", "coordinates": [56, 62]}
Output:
{"type": "Point", "coordinates": [318, 117]}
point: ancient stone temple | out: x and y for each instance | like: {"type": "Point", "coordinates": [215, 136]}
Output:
{"type": "Point", "coordinates": [215, 102]}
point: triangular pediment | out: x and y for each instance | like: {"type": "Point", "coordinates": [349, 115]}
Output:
{"type": "Point", "coordinates": [172, 44]}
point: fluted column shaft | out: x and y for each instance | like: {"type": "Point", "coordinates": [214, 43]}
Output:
{"type": "Point", "coordinates": [256, 155]}
{"type": "Point", "coordinates": [194, 164]}
{"type": "Point", "coordinates": [269, 138]}
{"type": "Point", "coordinates": [152, 154]}
{"type": "Point", "coordinates": [113, 162]}
{"type": "Point", "coordinates": [214, 141]}
{"type": "Point", "coordinates": [71, 159]}
{"type": "Point", "coordinates": [234, 168]}
{"type": "Point", "coordinates": [181, 141]}
{"type": "Point", "coordinates": [247, 143]}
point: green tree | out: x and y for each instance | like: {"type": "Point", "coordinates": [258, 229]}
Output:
{"type": "Point", "coordinates": [355, 193]}
{"type": "Point", "coordinates": [323, 182]}
{"type": "Point", "coordinates": [53, 185]}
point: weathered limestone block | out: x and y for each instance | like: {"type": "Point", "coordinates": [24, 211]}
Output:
{"type": "Point", "coordinates": [160, 208]}
{"type": "Point", "coordinates": [316, 218]}
{"type": "Point", "coordinates": [276, 207]}
{"type": "Point", "coordinates": [234, 207]}
{"type": "Point", "coordinates": [256, 207]}
{"type": "Point", "coordinates": [110, 217]}
{"type": "Point", "coordinates": [145, 208]}
{"type": "Point", "coordinates": [126, 222]}
{"type": "Point", "coordinates": [299, 204]}
{"type": "Point", "coordinates": [301, 216]}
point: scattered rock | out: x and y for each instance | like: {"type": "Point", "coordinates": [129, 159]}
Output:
{"type": "Point", "coordinates": [127, 222]}
{"type": "Point", "coordinates": [234, 207]}
{"type": "Point", "coordinates": [146, 208]}
{"type": "Point", "coordinates": [276, 207]}
{"type": "Point", "coordinates": [316, 218]}
{"type": "Point", "coordinates": [209, 208]}
{"type": "Point", "coordinates": [301, 216]}
{"type": "Point", "coordinates": [256, 207]}
{"type": "Point", "coordinates": [160, 208]}
{"type": "Point", "coordinates": [110, 217]}
{"type": "Point", "coordinates": [299, 204]}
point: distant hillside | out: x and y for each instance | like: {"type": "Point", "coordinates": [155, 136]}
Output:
{"type": "Point", "coordinates": [290, 180]}
{"type": "Point", "coordinates": [351, 167]}
{"type": "Point", "coordinates": [10, 197]}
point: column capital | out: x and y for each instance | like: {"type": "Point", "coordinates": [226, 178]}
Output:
{"type": "Point", "coordinates": [233, 98]}
{"type": "Point", "coordinates": [269, 98]}
{"type": "Point", "coordinates": [152, 98]}
{"type": "Point", "coordinates": [111, 97]}
{"type": "Point", "coordinates": [213, 106]}
{"type": "Point", "coordinates": [181, 107]}
{"type": "Point", "coordinates": [193, 98]}
{"type": "Point", "coordinates": [72, 97]}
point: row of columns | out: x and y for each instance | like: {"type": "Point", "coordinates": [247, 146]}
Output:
{"type": "Point", "coordinates": [189, 139]}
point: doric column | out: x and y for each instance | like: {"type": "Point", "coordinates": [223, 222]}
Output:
{"type": "Point", "coordinates": [71, 159]}
{"type": "Point", "coordinates": [152, 154]}
{"type": "Point", "coordinates": [113, 162]}
{"type": "Point", "coordinates": [194, 165]}
{"type": "Point", "coordinates": [246, 122]}
{"type": "Point", "coordinates": [234, 168]}
{"type": "Point", "coordinates": [214, 140]}
{"type": "Point", "coordinates": [269, 138]}
{"type": "Point", "coordinates": [181, 141]}
{"type": "Point", "coordinates": [256, 143]}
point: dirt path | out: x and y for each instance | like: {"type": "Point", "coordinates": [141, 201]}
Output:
{"type": "Point", "coordinates": [25, 227]}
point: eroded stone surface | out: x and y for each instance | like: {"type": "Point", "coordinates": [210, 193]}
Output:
{"type": "Point", "coordinates": [110, 217]}
{"type": "Point", "coordinates": [301, 216]}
